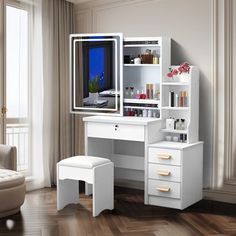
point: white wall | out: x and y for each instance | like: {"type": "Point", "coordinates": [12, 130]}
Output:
{"type": "Point", "coordinates": [187, 22]}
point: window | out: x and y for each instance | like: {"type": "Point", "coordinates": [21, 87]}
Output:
{"type": "Point", "coordinates": [17, 84]}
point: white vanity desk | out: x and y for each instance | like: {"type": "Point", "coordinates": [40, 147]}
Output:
{"type": "Point", "coordinates": [125, 141]}
{"type": "Point", "coordinates": [135, 147]}
{"type": "Point", "coordinates": [169, 172]}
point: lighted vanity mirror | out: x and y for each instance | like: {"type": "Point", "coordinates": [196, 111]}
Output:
{"type": "Point", "coordinates": [96, 73]}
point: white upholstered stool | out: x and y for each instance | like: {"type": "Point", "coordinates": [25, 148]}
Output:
{"type": "Point", "coordinates": [94, 170]}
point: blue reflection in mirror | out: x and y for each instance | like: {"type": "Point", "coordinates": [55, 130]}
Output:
{"type": "Point", "coordinates": [96, 66]}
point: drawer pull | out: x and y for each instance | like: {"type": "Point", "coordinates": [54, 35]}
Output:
{"type": "Point", "coordinates": [163, 189]}
{"type": "Point", "coordinates": [164, 156]}
{"type": "Point", "coordinates": [163, 173]}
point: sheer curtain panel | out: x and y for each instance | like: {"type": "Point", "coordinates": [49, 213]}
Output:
{"type": "Point", "coordinates": [52, 123]}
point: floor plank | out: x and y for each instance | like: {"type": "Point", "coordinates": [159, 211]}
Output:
{"type": "Point", "coordinates": [130, 218]}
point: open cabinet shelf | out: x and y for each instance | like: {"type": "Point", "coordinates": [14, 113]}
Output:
{"type": "Point", "coordinates": [141, 101]}
{"type": "Point", "coordinates": [184, 115]}
{"type": "Point", "coordinates": [145, 76]}
{"type": "Point", "coordinates": [174, 131]}
{"type": "Point", "coordinates": [144, 65]}
{"type": "Point", "coordinates": [176, 108]}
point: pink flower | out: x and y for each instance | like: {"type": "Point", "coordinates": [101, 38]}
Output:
{"type": "Point", "coordinates": [170, 75]}
{"type": "Point", "coordinates": [175, 72]}
{"type": "Point", "coordinates": [184, 67]}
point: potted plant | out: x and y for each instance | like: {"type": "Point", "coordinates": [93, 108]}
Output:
{"type": "Point", "coordinates": [93, 88]}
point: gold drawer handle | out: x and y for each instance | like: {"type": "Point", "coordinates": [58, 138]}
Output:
{"type": "Point", "coordinates": [163, 173]}
{"type": "Point", "coordinates": [163, 156]}
{"type": "Point", "coordinates": [163, 189]}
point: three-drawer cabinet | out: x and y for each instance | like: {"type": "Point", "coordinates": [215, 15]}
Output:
{"type": "Point", "coordinates": [174, 174]}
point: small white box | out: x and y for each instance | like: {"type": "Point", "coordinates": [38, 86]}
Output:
{"type": "Point", "coordinates": [170, 124]}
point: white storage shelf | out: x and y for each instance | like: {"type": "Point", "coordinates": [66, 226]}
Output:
{"type": "Point", "coordinates": [174, 131]}
{"type": "Point", "coordinates": [189, 113]}
{"type": "Point", "coordinates": [138, 107]}
{"type": "Point", "coordinates": [140, 45]}
{"type": "Point", "coordinates": [176, 108]}
{"type": "Point", "coordinates": [141, 101]}
{"type": "Point", "coordinates": [144, 65]}
{"type": "Point", "coordinates": [175, 83]}
{"type": "Point", "coordinates": [138, 75]}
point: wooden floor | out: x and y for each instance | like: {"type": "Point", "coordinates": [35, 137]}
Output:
{"type": "Point", "coordinates": [130, 217]}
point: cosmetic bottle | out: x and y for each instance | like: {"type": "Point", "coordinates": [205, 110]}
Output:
{"type": "Point", "coordinates": [137, 95]}
{"type": "Point", "coordinates": [181, 100]}
{"type": "Point", "coordinates": [131, 92]}
{"type": "Point", "coordinates": [145, 113]}
{"type": "Point", "coordinates": [176, 100]}
{"type": "Point", "coordinates": [177, 124]}
{"type": "Point", "coordinates": [182, 124]}
{"type": "Point", "coordinates": [171, 99]}
{"type": "Point", "coordinates": [185, 138]}
{"type": "Point", "coordinates": [132, 112]}
{"type": "Point", "coordinates": [147, 91]}
{"type": "Point", "coordinates": [185, 99]}
{"type": "Point", "coordinates": [150, 113]}
{"type": "Point", "coordinates": [151, 91]}
{"type": "Point", "coordinates": [127, 93]}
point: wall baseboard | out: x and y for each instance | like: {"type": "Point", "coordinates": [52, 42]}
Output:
{"type": "Point", "coordinates": [220, 196]}
{"type": "Point", "coordinates": [129, 184]}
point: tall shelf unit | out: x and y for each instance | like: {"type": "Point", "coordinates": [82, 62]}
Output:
{"type": "Point", "coordinates": [188, 83]}
{"type": "Point", "coordinates": [137, 76]}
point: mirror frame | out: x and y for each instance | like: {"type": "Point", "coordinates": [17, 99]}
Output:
{"type": "Point", "coordinates": [118, 110]}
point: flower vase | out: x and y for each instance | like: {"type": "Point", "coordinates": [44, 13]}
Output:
{"type": "Point", "coordinates": [93, 97]}
{"type": "Point", "coordinates": [184, 77]}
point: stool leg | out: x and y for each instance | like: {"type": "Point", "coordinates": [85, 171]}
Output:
{"type": "Point", "coordinates": [67, 192]}
{"type": "Point", "coordinates": [103, 188]}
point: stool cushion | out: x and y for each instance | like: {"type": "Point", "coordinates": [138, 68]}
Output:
{"type": "Point", "coordinates": [87, 162]}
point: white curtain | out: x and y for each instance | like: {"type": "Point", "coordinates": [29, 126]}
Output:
{"type": "Point", "coordinates": [52, 124]}
{"type": "Point", "coordinates": [37, 97]}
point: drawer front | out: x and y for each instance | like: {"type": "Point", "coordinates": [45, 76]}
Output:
{"type": "Point", "coordinates": [164, 188]}
{"type": "Point", "coordinates": [164, 172]}
{"type": "Point", "coordinates": [164, 156]}
{"type": "Point", "coordinates": [115, 131]}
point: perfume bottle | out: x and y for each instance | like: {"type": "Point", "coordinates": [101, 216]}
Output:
{"type": "Point", "coordinates": [127, 93]}
{"type": "Point", "coordinates": [131, 92]}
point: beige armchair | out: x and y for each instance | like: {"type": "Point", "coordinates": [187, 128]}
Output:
{"type": "Point", "coordinates": [12, 183]}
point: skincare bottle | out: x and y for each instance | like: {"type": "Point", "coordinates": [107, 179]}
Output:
{"type": "Point", "coordinates": [149, 113]}
{"type": "Point", "coordinates": [145, 113]}
{"type": "Point", "coordinates": [137, 95]}
{"type": "Point", "coordinates": [176, 100]}
{"type": "Point", "coordinates": [177, 124]}
{"type": "Point", "coordinates": [185, 99]}
{"type": "Point", "coordinates": [181, 99]}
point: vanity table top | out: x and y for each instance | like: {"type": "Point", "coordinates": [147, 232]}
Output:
{"type": "Point", "coordinates": [173, 145]}
{"type": "Point", "coordinates": [131, 120]}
